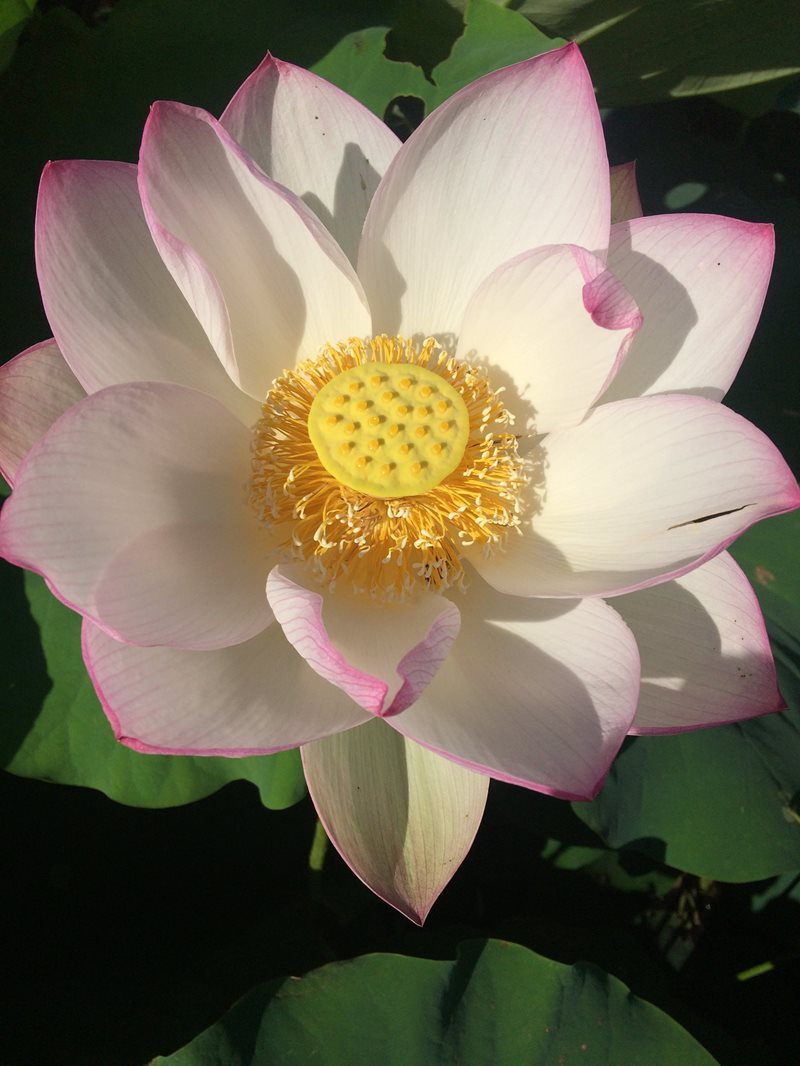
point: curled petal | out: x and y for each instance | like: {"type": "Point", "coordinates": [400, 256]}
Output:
{"type": "Point", "coordinates": [36, 387]}
{"type": "Point", "coordinates": [316, 140]}
{"type": "Point", "coordinates": [511, 162]}
{"type": "Point", "coordinates": [401, 817]}
{"type": "Point", "coordinates": [248, 699]}
{"type": "Point", "coordinates": [116, 313]}
{"type": "Point", "coordinates": [642, 490]}
{"type": "Point", "coordinates": [538, 693]}
{"type": "Point", "coordinates": [554, 326]}
{"type": "Point", "coordinates": [700, 281]}
{"type": "Point", "coordinates": [706, 658]}
{"type": "Point", "coordinates": [382, 658]}
{"type": "Point", "coordinates": [266, 280]}
{"type": "Point", "coordinates": [134, 507]}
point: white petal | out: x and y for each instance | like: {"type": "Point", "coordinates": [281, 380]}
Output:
{"type": "Point", "coordinates": [266, 280]}
{"type": "Point", "coordinates": [382, 656]}
{"type": "Point", "coordinates": [36, 387]}
{"type": "Point", "coordinates": [513, 161]}
{"type": "Point", "coordinates": [114, 309]}
{"type": "Point", "coordinates": [316, 140]}
{"type": "Point", "coordinates": [553, 326]}
{"type": "Point", "coordinates": [705, 653]}
{"type": "Point", "coordinates": [248, 699]}
{"type": "Point", "coordinates": [700, 281]}
{"type": "Point", "coordinates": [533, 692]}
{"type": "Point", "coordinates": [640, 491]}
{"type": "Point", "coordinates": [625, 202]}
{"type": "Point", "coordinates": [401, 817]}
{"type": "Point", "coordinates": [134, 507]}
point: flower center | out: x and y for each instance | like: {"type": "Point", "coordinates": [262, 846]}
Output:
{"type": "Point", "coordinates": [389, 431]}
{"type": "Point", "coordinates": [381, 462]}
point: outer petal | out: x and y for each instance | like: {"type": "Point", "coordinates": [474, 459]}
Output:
{"type": "Point", "coordinates": [640, 491]}
{"type": "Point", "coordinates": [513, 161]}
{"type": "Point", "coordinates": [540, 694]}
{"type": "Point", "coordinates": [314, 139]}
{"type": "Point", "coordinates": [266, 280]}
{"type": "Point", "coordinates": [700, 281]}
{"type": "Point", "coordinates": [705, 653]}
{"type": "Point", "coordinates": [115, 311]}
{"type": "Point", "coordinates": [401, 817]}
{"type": "Point", "coordinates": [36, 387]}
{"type": "Point", "coordinates": [625, 202]}
{"type": "Point", "coordinates": [248, 699]}
{"type": "Point", "coordinates": [554, 325]}
{"type": "Point", "coordinates": [134, 507]}
{"type": "Point", "coordinates": [382, 657]}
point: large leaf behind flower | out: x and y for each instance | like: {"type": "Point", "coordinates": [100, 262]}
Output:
{"type": "Point", "coordinates": [497, 1003]}
{"type": "Point", "coordinates": [61, 734]}
{"type": "Point", "coordinates": [493, 37]}
{"type": "Point", "coordinates": [651, 50]}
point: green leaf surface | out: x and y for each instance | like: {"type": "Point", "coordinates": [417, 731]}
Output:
{"type": "Point", "coordinates": [643, 52]}
{"type": "Point", "coordinates": [716, 802]}
{"type": "Point", "coordinates": [57, 731]}
{"type": "Point", "coordinates": [767, 553]}
{"type": "Point", "coordinates": [497, 1003]}
{"type": "Point", "coordinates": [14, 16]}
{"type": "Point", "coordinates": [358, 65]}
{"type": "Point", "coordinates": [493, 37]}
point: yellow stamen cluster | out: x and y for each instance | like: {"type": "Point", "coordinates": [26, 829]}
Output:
{"type": "Point", "coordinates": [406, 513]}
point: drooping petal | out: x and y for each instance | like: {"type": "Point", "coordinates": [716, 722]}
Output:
{"type": "Point", "coordinates": [625, 202]}
{"type": "Point", "coordinates": [700, 281]}
{"type": "Point", "coordinates": [511, 162]}
{"type": "Point", "coordinates": [537, 693]}
{"type": "Point", "coordinates": [401, 817]}
{"type": "Point", "coordinates": [36, 387]}
{"type": "Point", "coordinates": [640, 491]}
{"type": "Point", "coordinates": [134, 507]}
{"type": "Point", "coordinates": [316, 140]}
{"type": "Point", "coordinates": [705, 653]}
{"type": "Point", "coordinates": [248, 699]}
{"type": "Point", "coordinates": [382, 658]}
{"type": "Point", "coordinates": [114, 309]}
{"type": "Point", "coordinates": [266, 280]}
{"type": "Point", "coordinates": [553, 325]}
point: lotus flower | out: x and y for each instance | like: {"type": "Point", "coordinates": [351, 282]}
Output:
{"type": "Point", "coordinates": [452, 402]}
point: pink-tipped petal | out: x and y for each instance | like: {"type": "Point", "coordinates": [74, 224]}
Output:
{"type": "Point", "coordinates": [553, 325]}
{"type": "Point", "coordinates": [700, 281]}
{"type": "Point", "coordinates": [116, 313]}
{"type": "Point", "coordinates": [625, 202]}
{"type": "Point", "coordinates": [36, 388]}
{"type": "Point", "coordinates": [706, 658]}
{"type": "Point", "coordinates": [401, 817]}
{"type": "Point", "coordinates": [538, 693]}
{"type": "Point", "coordinates": [511, 162]}
{"type": "Point", "coordinates": [316, 140]}
{"type": "Point", "coordinates": [383, 658]}
{"type": "Point", "coordinates": [266, 280]}
{"type": "Point", "coordinates": [248, 699]}
{"type": "Point", "coordinates": [642, 490]}
{"type": "Point", "coordinates": [134, 507]}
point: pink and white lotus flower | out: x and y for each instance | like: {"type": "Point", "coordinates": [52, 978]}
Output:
{"type": "Point", "coordinates": [409, 455]}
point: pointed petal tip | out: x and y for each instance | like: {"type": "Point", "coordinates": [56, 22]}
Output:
{"type": "Point", "coordinates": [779, 705]}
